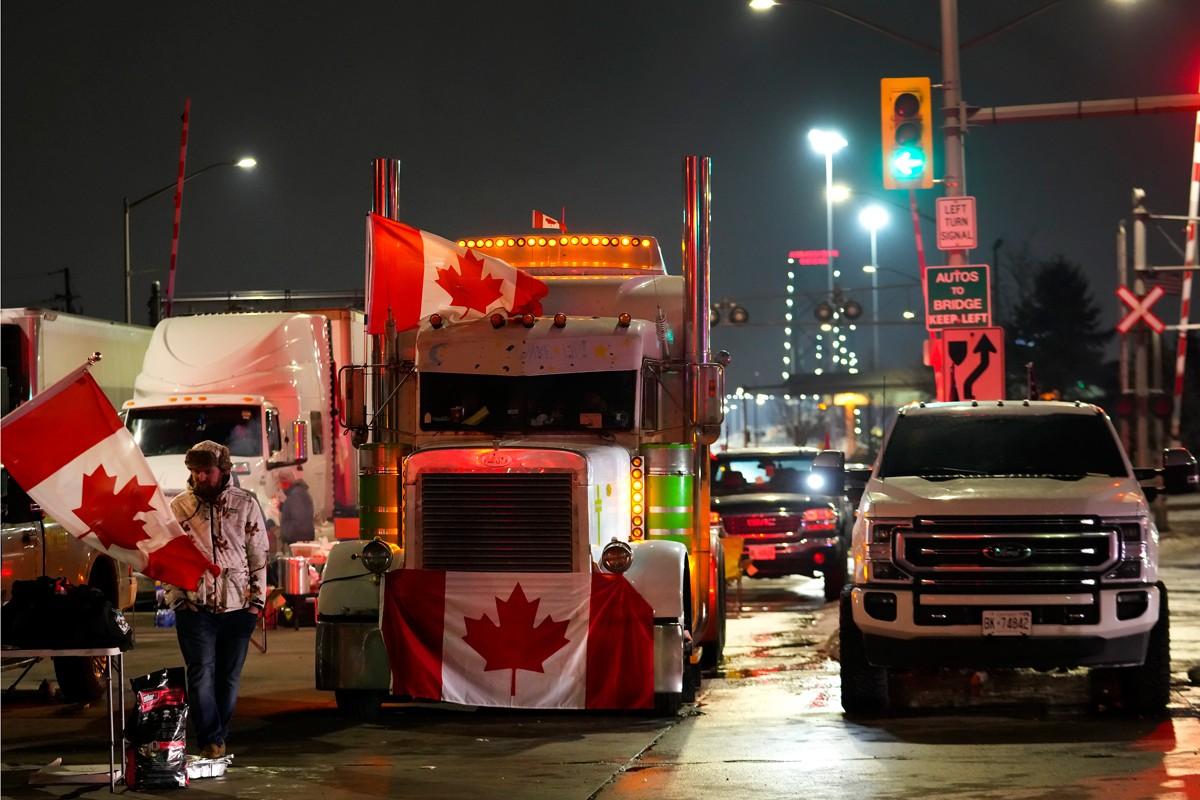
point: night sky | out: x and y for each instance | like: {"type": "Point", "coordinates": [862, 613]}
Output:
{"type": "Point", "coordinates": [496, 108]}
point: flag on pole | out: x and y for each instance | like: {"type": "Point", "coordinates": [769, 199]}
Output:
{"type": "Point", "coordinates": [414, 273]}
{"type": "Point", "coordinates": [68, 450]}
{"type": "Point", "coordinates": [541, 221]}
{"type": "Point", "coordinates": [529, 640]}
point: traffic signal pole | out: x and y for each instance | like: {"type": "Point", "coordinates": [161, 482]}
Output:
{"type": "Point", "coordinates": [953, 177]}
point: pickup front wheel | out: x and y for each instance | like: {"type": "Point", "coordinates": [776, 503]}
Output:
{"type": "Point", "coordinates": [864, 687]}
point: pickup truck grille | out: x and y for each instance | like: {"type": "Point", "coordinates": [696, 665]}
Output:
{"type": "Point", "coordinates": [1023, 554]}
{"type": "Point", "coordinates": [496, 522]}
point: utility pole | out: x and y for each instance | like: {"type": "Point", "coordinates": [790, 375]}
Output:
{"type": "Point", "coordinates": [67, 296]}
{"type": "Point", "coordinates": [1123, 352]}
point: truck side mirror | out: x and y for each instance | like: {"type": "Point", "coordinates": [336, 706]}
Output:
{"type": "Point", "coordinates": [299, 446]}
{"type": "Point", "coordinates": [828, 475]}
{"type": "Point", "coordinates": [708, 400]}
{"type": "Point", "coordinates": [354, 397]}
{"type": "Point", "coordinates": [299, 441]}
{"type": "Point", "coordinates": [1180, 473]}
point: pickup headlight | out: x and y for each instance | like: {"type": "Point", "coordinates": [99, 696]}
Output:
{"type": "Point", "coordinates": [881, 539]}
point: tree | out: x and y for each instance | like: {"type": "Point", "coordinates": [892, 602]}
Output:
{"type": "Point", "coordinates": [1055, 325]}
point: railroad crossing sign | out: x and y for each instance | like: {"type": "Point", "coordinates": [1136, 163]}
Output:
{"type": "Point", "coordinates": [973, 360]}
{"type": "Point", "coordinates": [1140, 309]}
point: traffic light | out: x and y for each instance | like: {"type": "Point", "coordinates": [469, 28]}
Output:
{"type": "Point", "coordinates": [906, 110]}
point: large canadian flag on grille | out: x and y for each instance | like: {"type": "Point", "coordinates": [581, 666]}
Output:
{"type": "Point", "coordinates": [529, 640]}
{"type": "Point", "coordinates": [413, 274]}
{"type": "Point", "coordinates": [67, 448]}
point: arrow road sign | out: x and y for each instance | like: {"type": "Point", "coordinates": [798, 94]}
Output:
{"type": "Point", "coordinates": [1140, 309]}
{"type": "Point", "coordinates": [974, 362]}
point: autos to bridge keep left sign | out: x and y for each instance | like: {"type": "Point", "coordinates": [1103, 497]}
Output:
{"type": "Point", "coordinates": [958, 297]}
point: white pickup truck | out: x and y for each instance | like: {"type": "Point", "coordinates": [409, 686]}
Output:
{"type": "Point", "coordinates": [1007, 534]}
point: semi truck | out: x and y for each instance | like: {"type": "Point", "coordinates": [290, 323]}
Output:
{"type": "Point", "coordinates": [263, 384]}
{"type": "Point", "coordinates": [39, 347]}
{"type": "Point", "coordinates": [571, 444]}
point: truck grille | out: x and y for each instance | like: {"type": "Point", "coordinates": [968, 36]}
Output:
{"type": "Point", "coordinates": [1017, 553]}
{"type": "Point", "coordinates": [496, 522]}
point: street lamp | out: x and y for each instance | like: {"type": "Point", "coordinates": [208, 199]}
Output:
{"type": "Point", "coordinates": [242, 163]}
{"type": "Point", "coordinates": [839, 193]}
{"type": "Point", "coordinates": [874, 217]}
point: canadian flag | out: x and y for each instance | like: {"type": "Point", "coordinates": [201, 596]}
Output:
{"type": "Point", "coordinates": [531, 640]}
{"type": "Point", "coordinates": [413, 274]}
{"type": "Point", "coordinates": [67, 448]}
{"type": "Point", "coordinates": [541, 220]}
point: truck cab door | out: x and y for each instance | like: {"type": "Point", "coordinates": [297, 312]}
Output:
{"type": "Point", "coordinates": [23, 550]}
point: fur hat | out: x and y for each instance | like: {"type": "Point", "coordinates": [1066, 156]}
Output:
{"type": "Point", "coordinates": [208, 454]}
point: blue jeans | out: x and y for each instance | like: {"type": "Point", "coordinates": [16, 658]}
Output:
{"type": "Point", "coordinates": [214, 650]}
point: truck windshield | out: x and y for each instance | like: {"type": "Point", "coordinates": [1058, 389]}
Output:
{"type": "Point", "coordinates": [171, 431]}
{"type": "Point", "coordinates": [945, 447]}
{"type": "Point", "coordinates": [766, 473]}
{"type": "Point", "coordinates": [539, 403]}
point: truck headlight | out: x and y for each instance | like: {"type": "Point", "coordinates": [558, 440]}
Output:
{"type": "Point", "coordinates": [377, 556]}
{"type": "Point", "coordinates": [616, 557]}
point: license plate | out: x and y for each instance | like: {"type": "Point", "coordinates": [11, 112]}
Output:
{"type": "Point", "coordinates": [1007, 623]}
{"type": "Point", "coordinates": [762, 552]}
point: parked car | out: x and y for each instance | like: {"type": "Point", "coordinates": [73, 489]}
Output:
{"type": "Point", "coordinates": [771, 499]}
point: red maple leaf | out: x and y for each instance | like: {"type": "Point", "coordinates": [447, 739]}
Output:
{"type": "Point", "coordinates": [111, 516]}
{"type": "Point", "coordinates": [515, 643]}
{"type": "Point", "coordinates": [468, 287]}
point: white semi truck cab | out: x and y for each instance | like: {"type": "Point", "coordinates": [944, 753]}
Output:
{"type": "Point", "coordinates": [1007, 534]}
{"type": "Point", "coordinates": [166, 426]}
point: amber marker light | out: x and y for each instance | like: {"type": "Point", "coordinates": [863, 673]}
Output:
{"type": "Point", "coordinates": [624, 319]}
{"type": "Point", "coordinates": [625, 241]}
{"type": "Point", "coordinates": [560, 320]}
{"type": "Point", "coordinates": [436, 321]}
{"type": "Point", "coordinates": [497, 320]}
{"type": "Point", "coordinates": [528, 320]}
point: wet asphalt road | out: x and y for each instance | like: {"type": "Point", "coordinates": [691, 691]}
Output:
{"type": "Point", "coordinates": [769, 724]}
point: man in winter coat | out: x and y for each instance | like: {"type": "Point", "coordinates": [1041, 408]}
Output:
{"type": "Point", "coordinates": [296, 514]}
{"type": "Point", "coordinates": [215, 622]}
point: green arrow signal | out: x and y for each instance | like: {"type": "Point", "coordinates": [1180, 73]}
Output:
{"type": "Point", "coordinates": [908, 162]}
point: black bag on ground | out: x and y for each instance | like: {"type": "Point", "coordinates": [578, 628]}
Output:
{"type": "Point", "coordinates": [156, 732]}
{"type": "Point", "coordinates": [49, 613]}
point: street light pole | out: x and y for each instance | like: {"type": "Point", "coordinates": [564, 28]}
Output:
{"type": "Point", "coordinates": [829, 216]}
{"type": "Point", "coordinates": [827, 143]}
{"type": "Point", "coordinates": [874, 302]}
{"type": "Point", "coordinates": [874, 217]}
{"type": "Point", "coordinates": [242, 163]}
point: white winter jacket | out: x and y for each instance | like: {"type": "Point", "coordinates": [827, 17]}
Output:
{"type": "Point", "coordinates": [232, 533]}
